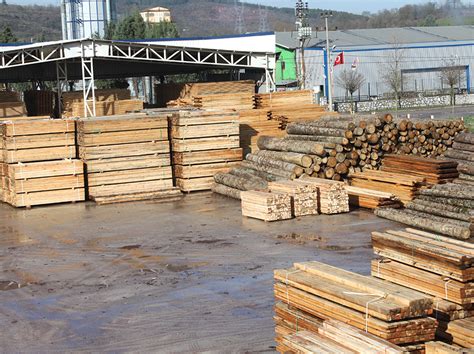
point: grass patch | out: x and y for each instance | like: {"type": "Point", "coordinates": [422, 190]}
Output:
{"type": "Point", "coordinates": [469, 123]}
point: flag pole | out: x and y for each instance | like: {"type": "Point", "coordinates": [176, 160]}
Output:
{"type": "Point", "coordinates": [328, 55]}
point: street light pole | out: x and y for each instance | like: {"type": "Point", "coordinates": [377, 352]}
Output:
{"type": "Point", "coordinates": [326, 16]}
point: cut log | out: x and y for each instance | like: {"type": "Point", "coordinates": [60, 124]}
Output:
{"type": "Point", "coordinates": [425, 223]}
{"type": "Point", "coordinates": [467, 138]}
{"type": "Point", "coordinates": [270, 170]}
{"type": "Point", "coordinates": [466, 168]}
{"type": "Point", "coordinates": [226, 190]}
{"type": "Point", "coordinates": [308, 129]}
{"type": "Point", "coordinates": [282, 165]}
{"type": "Point", "coordinates": [320, 139]}
{"type": "Point", "coordinates": [243, 184]}
{"type": "Point", "coordinates": [277, 144]}
{"type": "Point", "coordinates": [250, 173]}
{"type": "Point", "coordinates": [292, 157]}
{"type": "Point", "coordinates": [460, 155]}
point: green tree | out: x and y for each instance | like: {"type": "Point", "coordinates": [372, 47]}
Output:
{"type": "Point", "coordinates": [130, 27]}
{"type": "Point", "coordinates": [7, 36]}
{"type": "Point", "coordinates": [162, 30]}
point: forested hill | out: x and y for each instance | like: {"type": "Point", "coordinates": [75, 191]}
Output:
{"type": "Point", "coordinates": [213, 17]}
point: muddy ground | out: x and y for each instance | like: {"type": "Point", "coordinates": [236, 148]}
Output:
{"type": "Point", "coordinates": [187, 276]}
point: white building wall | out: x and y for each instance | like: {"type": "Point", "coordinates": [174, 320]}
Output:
{"type": "Point", "coordinates": [372, 62]}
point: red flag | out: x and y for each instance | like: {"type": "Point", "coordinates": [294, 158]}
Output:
{"type": "Point", "coordinates": [339, 59]}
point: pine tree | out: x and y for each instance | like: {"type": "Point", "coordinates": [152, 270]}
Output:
{"type": "Point", "coordinates": [7, 36]}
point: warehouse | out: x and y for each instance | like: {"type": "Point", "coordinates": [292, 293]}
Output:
{"type": "Point", "coordinates": [422, 51]}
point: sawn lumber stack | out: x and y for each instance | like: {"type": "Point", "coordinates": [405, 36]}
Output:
{"type": "Point", "coordinates": [371, 199]}
{"type": "Point", "coordinates": [203, 143]}
{"type": "Point", "coordinates": [127, 157]}
{"type": "Point", "coordinates": [432, 170]}
{"type": "Point", "coordinates": [304, 196]}
{"type": "Point", "coordinates": [266, 206]}
{"type": "Point", "coordinates": [39, 165]}
{"type": "Point", "coordinates": [386, 310]}
{"type": "Point", "coordinates": [436, 265]}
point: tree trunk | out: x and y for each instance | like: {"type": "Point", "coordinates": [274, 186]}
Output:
{"type": "Point", "coordinates": [463, 203]}
{"type": "Point", "coordinates": [241, 183]}
{"type": "Point", "coordinates": [308, 129]}
{"type": "Point", "coordinates": [425, 223]}
{"type": "Point", "coordinates": [292, 157]}
{"type": "Point", "coordinates": [250, 173]}
{"type": "Point", "coordinates": [443, 206]}
{"type": "Point", "coordinates": [463, 146]}
{"type": "Point", "coordinates": [466, 168]}
{"type": "Point", "coordinates": [226, 190]}
{"type": "Point", "coordinates": [451, 192]}
{"type": "Point", "coordinates": [279, 144]}
{"type": "Point", "coordinates": [460, 155]}
{"type": "Point", "coordinates": [434, 210]}
{"type": "Point", "coordinates": [282, 165]}
{"type": "Point", "coordinates": [467, 138]}
{"type": "Point", "coordinates": [270, 170]}
{"type": "Point", "coordinates": [328, 141]}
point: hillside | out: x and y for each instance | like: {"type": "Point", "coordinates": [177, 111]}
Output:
{"type": "Point", "coordinates": [215, 17]}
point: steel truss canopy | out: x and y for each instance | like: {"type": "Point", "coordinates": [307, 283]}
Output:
{"type": "Point", "coordinates": [119, 59]}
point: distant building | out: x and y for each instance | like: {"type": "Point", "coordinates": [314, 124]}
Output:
{"type": "Point", "coordinates": [156, 15]}
{"type": "Point", "coordinates": [424, 51]}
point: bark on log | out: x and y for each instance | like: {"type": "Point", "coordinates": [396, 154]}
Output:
{"type": "Point", "coordinates": [467, 138]}
{"type": "Point", "coordinates": [251, 173]}
{"type": "Point", "coordinates": [241, 183]}
{"type": "Point", "coordinates": [447, 207]}
{"type": "Point", "coordinates": [417, 206]}
{"type": "Point", "coordinates": [425, 223]}
{"type": "Point", "coordinates": [326, 140]}
{"type": "Point", "coordinates": [460, 155]}
{"type": "Point", "coordinates": [278, 164]}
{"type": "Point", "coordinates": [278, 144]}
{"type": "Point", "coordinates": [465, 177]}
{"type": "Point", "coordinates": [441, 219]}
{"type": "Point", "coordinates": [465, 203]}
{"type": "Point", "coordinates": [292, 157]}
{"type": "Point", "coordinates": [466, 168]}
{"type": "Point", "coordinates": [463, 146]}
{"type": "Point", "coordinates": [226, 191]}
{"type": "Point", "coordinates": [308, 129]}
{"type": "Point", "coordinates": [271, 170]}
{"type": "Point", "coordinates": [449, 190]}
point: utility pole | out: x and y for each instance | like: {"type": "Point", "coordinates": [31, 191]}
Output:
{"type": "Point", "coordinates": [326, 16]}
{"type": "Point", "coordinates": [239, 17]}
{"type": "Point", "coordinates": [304, 33]}
{"type": "Point", "coordinates": [263, 14]}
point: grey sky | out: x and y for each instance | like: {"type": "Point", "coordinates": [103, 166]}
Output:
{"type": "Point", "coordinates": [342, 5]}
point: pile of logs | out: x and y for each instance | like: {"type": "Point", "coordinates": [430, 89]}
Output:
{"type": "Point", "coordinates": [370, 199]}
{"type": "Point", "coordinates": [320, 292]}
{"type": "Point", "coordinates": [266, 206]}
{"type": "Point", "coordinates": [203, 143]}
{"type": "Point", "coordinates": [462, 152]}
{"type": "Point", "coordinates": [434, 171]}
{"type": "Point", "coordinates": [404, 187]}
{"type": "Point", "coordinates": [438, 266]}
{"type": "Point", "coordinates": [127, 158]}
{"type": "Point", "coordinates": [447, 209]}
{"type": "Point", "coordinates": [39, 164]}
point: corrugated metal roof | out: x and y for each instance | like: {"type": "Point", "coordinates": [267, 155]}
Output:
{"type": "Point", "coordinates": [378, 36]}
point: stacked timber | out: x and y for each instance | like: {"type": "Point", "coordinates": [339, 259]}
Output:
{"type": "Point", "coordinates": [443, 348]}
{"type": "Point", "coordinates": [371, 199]}
{"type": "Point", "coordinates": [402, 186]}
{"type": "Point", "coordinates": [462, 152]}
{"type": "Point", "coordinates": [283, 99]}
{"type": "Point", "coordinates": [127, 158]}
{"type": "Point", "coordinates": [304, 196]}
{"type": "Point", "coordinates": [321, 292]}
{"type": "Point", "coordinates": [38, 163]}
{"type": "Point", "coordinates": [266, 206]}
{"type": "Point", "coordinates": [332, 195]}
{"type": "Point", "coordinates": [236, 101]}
{"type": "Point", "coordinates": [432, 170]}
{"type": "Point", "coordinates": [204, 143]}
{"type": "Point", "coordinates": [436, 265]}
{"type": "Point", "coordinates": [179, 95]}
{"type": "Point", "coordinates": [426, 138]}
{"type": "Point", "coordinates": [11, 105]}
{"type": "Point", "coordinates": [447, 209]}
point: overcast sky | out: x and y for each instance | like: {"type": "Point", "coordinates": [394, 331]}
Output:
{"type": "Point", "coordinates": [341, 5]}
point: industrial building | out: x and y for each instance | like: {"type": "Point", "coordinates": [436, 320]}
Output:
{"type": "Point", "coordinates": [86, 18]}
{"type": "Point", "coordinates": [423, 52]}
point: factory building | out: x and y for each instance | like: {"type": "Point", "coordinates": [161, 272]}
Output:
{"type": "Point", "coordinates": [422, 53]}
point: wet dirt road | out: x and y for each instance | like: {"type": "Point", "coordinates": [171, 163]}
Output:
{"type": "Point", "coordinates": [186, 276]}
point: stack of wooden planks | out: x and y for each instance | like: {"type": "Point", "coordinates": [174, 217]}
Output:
{"type": "Point", "coordinates": [266, 206]}
{"type": "Point", "coordinates": [436, 265]}
{"type": "Point", "coordinates": [320, 291]}
{"type": "Point", "coordinates": [432, 170]}
{"type": "Point", "coordinates": [402, 186]}
{"type": "Point", "coordinates": [236, 101]}
{"type": "Point", "coordinates": [204, 143]}
{"type": "Point", "coordinates": [127, 158]}
{"type": "Point", "coordinates": [180, 95]}
{"type": "Point", "coordinates": [443, 348]}
{"type": "Point", "coordinates": [283, 99]}
{"type": "Point", "coordinates": [39, 165]}
{"type": "Point", "coordinates": [304, 196]}
{"type": "Point", "coordinates": [447, 209]}
{"type": "Point", "coordinates": [370, 199]}
{"type": "Point", "coordinates": [462, 152]}
{"type": "Point", "coordinates": [332, 195]}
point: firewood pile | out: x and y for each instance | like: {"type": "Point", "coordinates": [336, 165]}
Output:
{"type": "Point", "coordinates": [439, 266]}
{"type": "Point", "coordinates": [312, 293]}
{"type": "Point", "coordinates": [463, 153]}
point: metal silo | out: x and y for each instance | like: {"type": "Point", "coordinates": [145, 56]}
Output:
{"type": "Point", "coordinates": [86, 18]}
